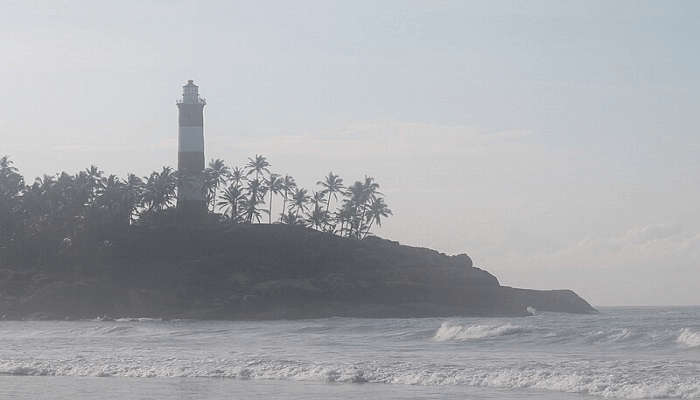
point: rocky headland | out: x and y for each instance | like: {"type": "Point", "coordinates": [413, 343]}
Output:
{"type": "Point", "coordinates": [260, 271]}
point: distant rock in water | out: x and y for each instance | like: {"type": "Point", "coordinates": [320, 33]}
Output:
{"type": "Point", "coordinates": [266, 272]}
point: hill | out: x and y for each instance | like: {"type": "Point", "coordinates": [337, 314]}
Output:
{"type": "Point", "coordinates": [259, 271]}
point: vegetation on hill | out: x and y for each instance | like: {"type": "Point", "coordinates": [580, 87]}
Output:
{"type": "Point", "coordinates": [39, 220]}
{"type": "Point", "coordinates": [90, 244]}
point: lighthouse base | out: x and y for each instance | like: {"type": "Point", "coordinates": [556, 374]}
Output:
{"type": "Point", "coordinates": [191, 212]}
{"type": "Point", "coordinates": [191, 207]}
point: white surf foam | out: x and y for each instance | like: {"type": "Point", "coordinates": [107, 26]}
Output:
{"type": "Point", "coordinates": [689, 338]}
{"type": "Point", "coordinates": [613, 336]}
{"type": "Point", "coordinates": [449, 331]}
{"type": "Point", "coordinates": [142, 319]}
{"type": "Point", "coordinates": [611, 380]}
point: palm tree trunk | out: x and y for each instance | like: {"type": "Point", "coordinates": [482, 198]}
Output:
{"type": "Point", "coordinates": [284, 204]}
{"type": "Point", "coordinates": [270, 214]}
{"type": "Point", "coordinates": [369, 227]}
{"type": "Point", "coordinates": [213, 199]}
{"type": "Point", "coordinates": [364, 210]}
{"type": "Point", "coordinates": [353, 220]}
{"type": "Point", "coordinates": [328, 205]}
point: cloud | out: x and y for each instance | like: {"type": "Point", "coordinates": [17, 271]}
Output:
{"type": "Point", "coordinates": [91, 148]}
{"type": "Point", "coordinates": [643, 246]}
{"type": "Point", "coordinates": [647, 264]}
{"type": "Point", "coordinates": [652, 233]}
{"type": "Point", "coordinates": [381, 139]}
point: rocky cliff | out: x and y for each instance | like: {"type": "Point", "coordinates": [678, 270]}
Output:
{"type": "Point", "coordinates": [262, 272]}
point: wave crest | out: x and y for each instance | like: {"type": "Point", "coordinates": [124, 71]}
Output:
{"type": "Point", "coordinates": [689, 338]}
{"type": "Point", "coordinates": [449, 331]}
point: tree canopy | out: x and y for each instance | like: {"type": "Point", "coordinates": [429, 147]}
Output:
{"type": "Point", "coordinates": [46, 216]}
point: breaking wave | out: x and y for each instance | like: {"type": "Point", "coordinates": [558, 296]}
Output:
{"type": "Point", "coordinates": [624, 335]}
{"type": "Point", "coordinates": [627, 354]}
{"type": "Point", "coordinates": [617, 338]}
{"type": "Point", "coordinates": [449, 331]}
{"type": "Point", "coordinates": [606, 379]}
{"type": "Point", "coordinates": [689, 338]}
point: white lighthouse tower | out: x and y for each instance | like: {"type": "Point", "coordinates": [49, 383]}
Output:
{"type": "Point", "coordinates": [190, 158]}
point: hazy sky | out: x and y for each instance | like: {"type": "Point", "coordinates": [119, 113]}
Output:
{"type": "Point", "coordinates": [557, 142]}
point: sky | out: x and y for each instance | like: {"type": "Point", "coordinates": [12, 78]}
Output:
{"type": "Point", "coordinates": [555, 142]}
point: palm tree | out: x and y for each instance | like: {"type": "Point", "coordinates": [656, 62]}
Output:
{"type": "Point", "coordinates": [11, 182]}
{"type": "Point", "coordinates": [344, 215]}
{"type": "Point", "coordinates": [215, 175]}
{"type": "Point", "coordinates": [159, 189]}
{"type": "Point", "coordinates": [318, 198]}
{"type": "Point", "coordinates": [292, 219]}
{"type": "Point", "coordinates": [371, 189]}
{"type": "Point", "coordinates": [257, 165]}
{"type": "Point", "coordinates": [288, 185]}
{"type": "Point", "coordinates": [332, 185]}
{"type": "Point", "coordinates": [134, 187]}
{"type": "Point", "coordinates": [237, 176]}
{"type": "Point", "coordinates": [376, 211]}
{"type": "Point", "coordinates": [251, 210]}
{"type": "Point", "coordinates": [318, 201]}
{"type": "Point", "coordinates": [94, 181]}
{"type": "Point", "coordinates": [6, 167]}
{"type": "Point", "coordinates": [274, 185]}
{"type": "Point", "coordinates": [319, 217]}
{"type": "Point", "coordinates": [230, 201]}
{"type": "Point", "coordinates": [72, 199]}
{"type": "Point", "coordinates": [356, 196]}
{"type": "Point", "coordinates": [256, 193]}
{"type": "Point", "coordinates": [11, 188]}
{"type": "Point", "coordinates": [360, 195]}
{"type": "Point", "coordinates": [111, 200]}
{"type": "Point", "coordinates": [35, 200]}
{"type": "Point", "coordinates": [84, 186]}
{"type": "Point", "coordinates": [257, 189]}
{"type": "Point", "coordinates": [299, 199]}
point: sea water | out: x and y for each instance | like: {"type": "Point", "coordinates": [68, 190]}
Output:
{"type": "Point", "coordinates": [626, 353]}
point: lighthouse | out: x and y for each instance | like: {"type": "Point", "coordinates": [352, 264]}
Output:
{"type": "Point", "coordinates": [191, 205]}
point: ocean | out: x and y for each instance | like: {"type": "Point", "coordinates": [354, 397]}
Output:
{"type": "Point", "coordinates": [625, 353]}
